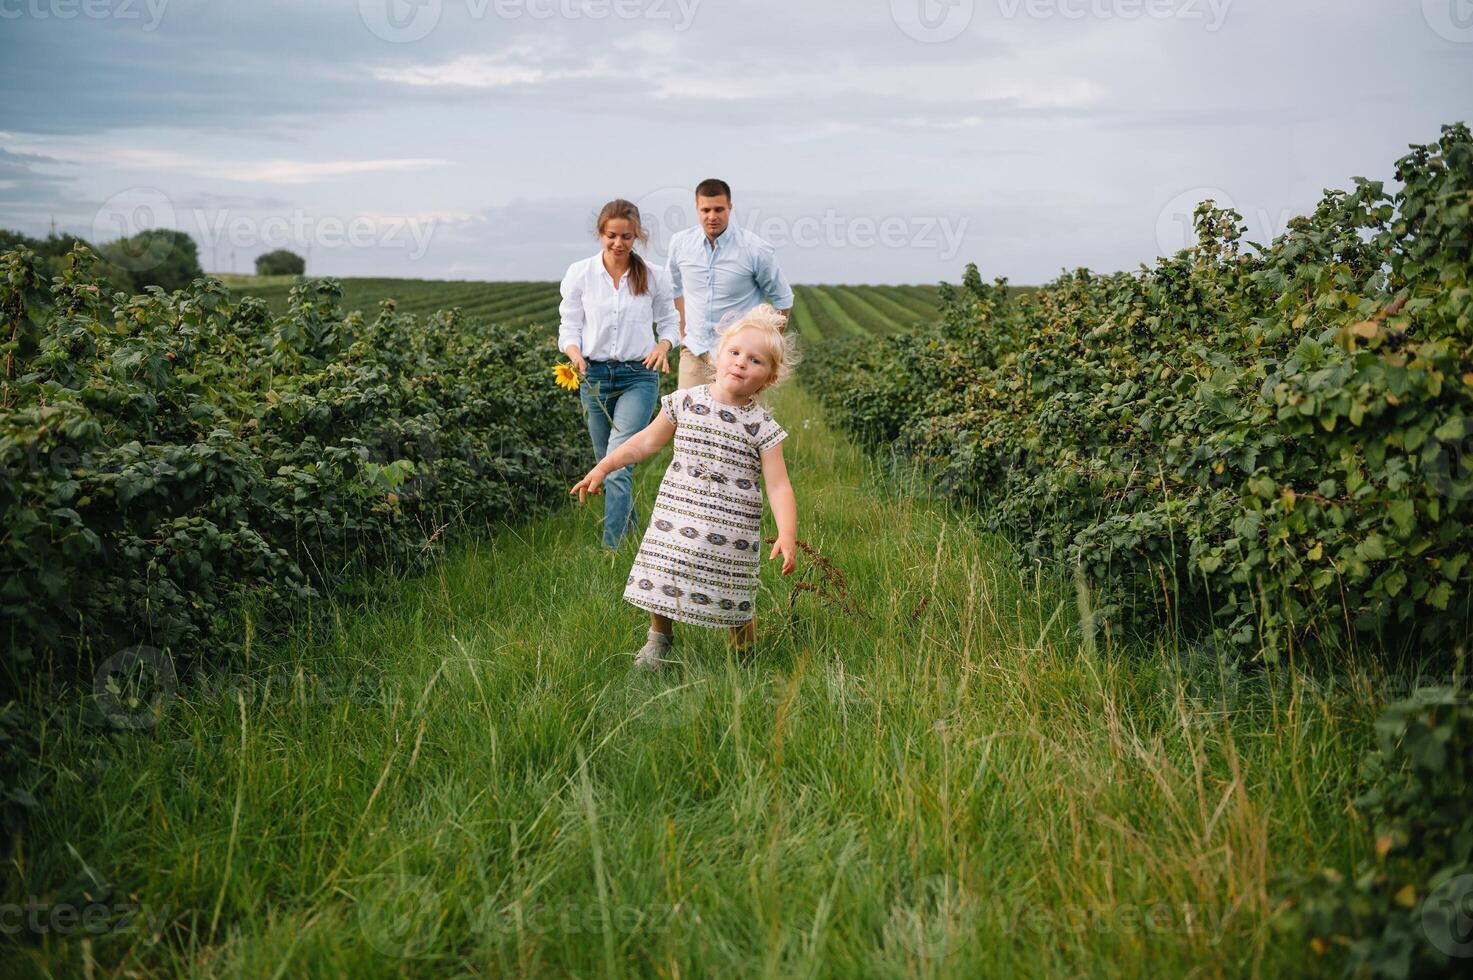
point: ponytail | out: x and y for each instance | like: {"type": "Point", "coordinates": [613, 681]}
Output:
{"type": "Point", "coordinates": [639, 275]}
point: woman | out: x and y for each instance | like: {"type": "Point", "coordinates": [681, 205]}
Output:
{"type": "Point", "coordinates": [609, 303]}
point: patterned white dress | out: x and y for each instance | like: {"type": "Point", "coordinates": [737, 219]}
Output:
{"type": "Point", "coordinates": [698, 561]}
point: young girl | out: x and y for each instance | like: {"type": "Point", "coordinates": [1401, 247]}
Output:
{"type": "Point", "coordinates": [698, 560]}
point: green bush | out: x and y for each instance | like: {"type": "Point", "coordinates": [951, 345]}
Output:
{"type": "Point", "coordinates": [53, 250]}
{"type": "Point", "coordinates": [280, 263]}
{"type": "Point", "coordinates": [1272, 446]}
{"type": "Point", "coordinates": [165, 455]}
{"type": "Point", "coordinates": [1407, 910]}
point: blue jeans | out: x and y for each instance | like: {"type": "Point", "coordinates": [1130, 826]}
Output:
{"type": "Point", "coordinates": [619, 399]}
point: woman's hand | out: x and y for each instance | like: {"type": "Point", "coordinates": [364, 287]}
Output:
{"type": "Point", "coordinates": [576, 357]}
{"type": "Point", "coordinates": [589, 484]}
{"type": "Point", "coordinates": [657, 359]}
{"type": "Point", "coordinates": [789, 549]}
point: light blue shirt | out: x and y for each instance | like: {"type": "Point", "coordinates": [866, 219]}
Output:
{"type": "Point", "coordinates": [737, 274]}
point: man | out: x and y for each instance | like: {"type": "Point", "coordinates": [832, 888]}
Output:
{"type": "Point", "coordinates": [718, 269]}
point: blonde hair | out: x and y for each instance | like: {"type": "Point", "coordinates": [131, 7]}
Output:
{"type": "Point", "coordinates": [782, 349]}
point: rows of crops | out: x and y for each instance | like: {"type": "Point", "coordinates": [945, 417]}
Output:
{"type": "Point", "coordinates": [510, 303]}
{"type": "Point", "coordinates": [819, 311]}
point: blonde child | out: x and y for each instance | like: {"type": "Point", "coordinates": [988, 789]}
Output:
{"type": "Point", "coordinates": [698, 561]}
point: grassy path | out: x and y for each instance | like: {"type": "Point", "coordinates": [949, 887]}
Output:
{"type": "Point", "coordinates": [464, 777]}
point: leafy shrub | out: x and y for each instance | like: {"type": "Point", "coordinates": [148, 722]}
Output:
{"type": "Point", "coordinates": [281, 262]}
{"type": "Point", "coordinates": [166, 454]}
{"type": "Point", "coordinates": [53, 250]}
{"type": "Point", "coordinates": [1273, 446]}
{"type": "Point", "coordinates": [1407, 910]}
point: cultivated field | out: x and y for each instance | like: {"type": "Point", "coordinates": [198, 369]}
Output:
{"type": "Point", "coordinates": [820, 311]}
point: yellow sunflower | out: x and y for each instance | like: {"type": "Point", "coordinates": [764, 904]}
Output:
{"type": "Point", "coordinates": [565, 376]}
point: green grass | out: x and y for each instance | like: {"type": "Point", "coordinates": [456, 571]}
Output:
{"type": "Point", "coordinates": [462, 775]}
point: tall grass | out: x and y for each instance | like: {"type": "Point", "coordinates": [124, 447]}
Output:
{"type": "Point", "coordinates": [463, 776]}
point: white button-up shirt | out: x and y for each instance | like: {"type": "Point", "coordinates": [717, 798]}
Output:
{"type": "Point", "coordinates": [610, 323]}
{"type": "Point", "coordinates": [734, 275]}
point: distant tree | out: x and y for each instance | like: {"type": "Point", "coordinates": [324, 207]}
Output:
{"type": "Point", "coordinates": [157, 257]}
{"type": "Point", "coordinates": [280, 263]}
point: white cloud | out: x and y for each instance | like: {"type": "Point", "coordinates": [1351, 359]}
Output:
{"type": "Point", "coordinates": [276, 171]}
{"type": "Point", "coordinates": [1032, 82]}
{"type": "Point", "coordinates": [525, 61]}
{"type": "Point", "coordinates": [931, 122]}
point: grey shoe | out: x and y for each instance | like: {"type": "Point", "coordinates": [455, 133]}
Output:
{"type": "Point", "coordinates": [648, 657]}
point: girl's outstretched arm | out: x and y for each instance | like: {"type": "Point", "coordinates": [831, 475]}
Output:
{"type": "Point", "coordinates": [648, 441]}
{"type": "Point", "coordinates": [784, 506]}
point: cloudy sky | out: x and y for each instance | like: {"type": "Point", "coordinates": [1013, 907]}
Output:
{"type": "Point", "coordinates": [870, 140]}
